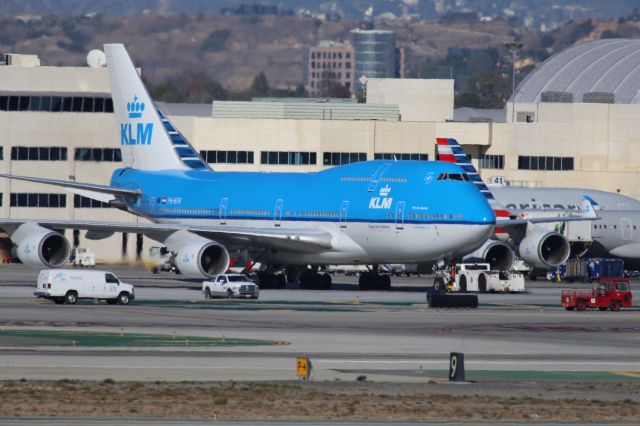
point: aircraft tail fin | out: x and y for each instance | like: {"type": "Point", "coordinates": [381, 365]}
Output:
{"type": "Point", "coordinates": [148, 141]}
{"type": "Point", "coordinates": [588, 207]}
{"type": "Point", "coordinates": [450, 151]}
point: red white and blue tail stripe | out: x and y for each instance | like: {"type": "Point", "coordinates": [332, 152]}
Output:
{"type": "Point", "coordinates": [450, 151]}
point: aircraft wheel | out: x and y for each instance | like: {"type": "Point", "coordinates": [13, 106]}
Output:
{"type": "Point", "coordinates": [482, 283]}
{"type": "Point", "coordinates": [386, 282]}
{"type": "Point", "coordinates": [326, 281]}
{"type": "Point", "coordinates": [463, 284]}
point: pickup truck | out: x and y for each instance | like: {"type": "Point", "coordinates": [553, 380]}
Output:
{"type": "Point", "coordinates": [236, 286]}
{"type": "Point", "coordinates": [610, 293]}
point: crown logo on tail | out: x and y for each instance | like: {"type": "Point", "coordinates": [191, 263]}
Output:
{"type": "Point", "coordinates": [135, 108]}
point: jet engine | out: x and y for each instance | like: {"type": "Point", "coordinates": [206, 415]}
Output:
{"type": "Point", "coordinates": [196, 256]}
{"type": "Point", "coordinates": [543, 249]}
{"type": "Point", "coordinates": [496, 253]}
{"type": "Point", "coordinates": [40, 247]}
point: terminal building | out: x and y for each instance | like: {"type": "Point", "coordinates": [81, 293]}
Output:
{"type": "Point", "coordinates": [573, 122]}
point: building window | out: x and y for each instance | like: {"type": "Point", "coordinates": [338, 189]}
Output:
{"type": "Point", "coordinates": [98, 154]}
{"type": "Point", "coordinates": [288, 158]}
{"type": "Point", "coordinates": [227, 157]}
{"type": "Point", "coordinates": [338, 158]}
{"type": "Point", "coordinates": [0, 199]}
{"type": "Point", "coordinates": [491, 162]}
{"type": "Point", "coordinates": [42, 153]}
{"type": "Point", "coordinates": [84, 202]}
{"type": "Point", "coordinates": [1, 153]}
{"type": "Point", "coordinates": [545, 163]}
{"type": "Point", "coordinates": [400, 156]}
{"type": "Point", "coordinates": [55, 103]}
{"type": "Point", "coordinates": [28, 199]}
{"type": "Point", "coordinates": [525, 117]}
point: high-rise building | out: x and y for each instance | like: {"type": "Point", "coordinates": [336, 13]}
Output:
{"type": "Point", "coordinates": [376, 55]}
{"type": "Point", "coordinates": [328, 63]}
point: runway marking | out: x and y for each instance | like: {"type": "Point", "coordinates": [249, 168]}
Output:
{"type": "Point", "coordinates": [467, 362]}
{"type": "Point", "coordinates": [627, 374]}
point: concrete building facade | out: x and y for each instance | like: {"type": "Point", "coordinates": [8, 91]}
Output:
{"type": "Point", "coordinates": [329, 62]}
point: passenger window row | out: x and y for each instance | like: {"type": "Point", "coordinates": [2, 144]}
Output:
{"type": "Point", "coordinates": [429, 216]}
{"type": "Point", "coordinates": [393, 179]}
{"type": "Point", "coordinates": [355, 179]}
{"type": "Point", "coordinates": [55, 103]}
{"type": "Point", "coordinates": [606, 226]}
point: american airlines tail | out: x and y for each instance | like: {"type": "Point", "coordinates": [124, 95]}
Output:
{"type": "Point", "coordinates": [147, 140]}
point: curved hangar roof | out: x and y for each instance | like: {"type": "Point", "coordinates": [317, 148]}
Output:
{"type": "Point", "coordinates": [610, 66]}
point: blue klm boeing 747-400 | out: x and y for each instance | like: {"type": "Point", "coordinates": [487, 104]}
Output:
{"type": "Point", "coordinates": [370, 212]}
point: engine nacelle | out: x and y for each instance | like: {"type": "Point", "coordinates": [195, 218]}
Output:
{"type": "Point", "coordinates": [196, 256]}
{"type": "Point", "coordinates": [40, 247]}
{"type": "Point", "coordinates": [496, 253]}
{"type": "Point", "coordinates": [543, 249]}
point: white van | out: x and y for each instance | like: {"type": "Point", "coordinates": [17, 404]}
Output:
{"type": "Point", "coordinates": [69, 285]}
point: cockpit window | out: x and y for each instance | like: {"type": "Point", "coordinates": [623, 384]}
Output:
{"type": "Point", "coordinates": [454, 176]}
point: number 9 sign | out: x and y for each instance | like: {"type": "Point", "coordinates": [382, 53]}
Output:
{"type": "Point", "coordinates": [456, 367]}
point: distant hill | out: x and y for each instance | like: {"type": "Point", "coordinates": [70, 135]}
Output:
{"type": "Point", "coordinates": [535, 11]}
{"type": "Point", "coordinates": [229, 49]}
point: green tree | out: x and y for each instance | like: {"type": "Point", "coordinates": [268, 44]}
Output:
{"type": "Point", "coordinates": [487, 89]}
{"type": "Point", "coordinates": [260, 86]}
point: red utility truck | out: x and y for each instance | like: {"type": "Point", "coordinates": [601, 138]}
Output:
{"type": "Point", "coordinates": [610, 293]}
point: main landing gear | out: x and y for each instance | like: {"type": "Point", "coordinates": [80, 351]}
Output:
{"type": "Point", "coordinates": [311, 279]}
{"type": "Point", "coordinates": [373, 280]}
{"type": "Point", "coordinates": [269, 279]}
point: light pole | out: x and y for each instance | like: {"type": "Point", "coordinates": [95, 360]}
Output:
{"type": "Point", "coordinates": [513, 47]}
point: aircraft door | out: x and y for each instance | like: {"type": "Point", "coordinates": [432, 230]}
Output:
{"type": "Point", "coordinates": [277, 212]}
{"type": "Point", "coordinates": [627, 230]}
{"type": "Point", "coordinates": [400, 215]}
{"type": "Point", "coordinates": [110, 289]}
{"type": "Point", "coordinates": [223, 211]}
{"type": "Point", "coordinates": [343, 214]}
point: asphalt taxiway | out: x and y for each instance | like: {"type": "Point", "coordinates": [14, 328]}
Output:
{"type": "Point", "coordinates": [387, 336]}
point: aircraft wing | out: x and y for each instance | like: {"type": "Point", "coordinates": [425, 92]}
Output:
{"type": "Point", "coordinates": [290, 239]}
{"type": "Point", "coordinates": [91, 187]}
{"type": "Point", "coordinates": [535, 220]}
{"type": "Point", "coordinates": [588, 213]}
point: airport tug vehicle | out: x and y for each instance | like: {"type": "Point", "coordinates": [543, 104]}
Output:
{"type": "Point", "coordinates": [478, 277]}
{"type": "Point", "coordinates": [609, 293]}
{"type": "Point", "coordinates": [236, 286]}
